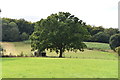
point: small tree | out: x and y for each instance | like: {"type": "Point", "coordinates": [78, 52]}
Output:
{"type": "Point", "coordinates": [24, 36]}
{"type": "Point", "coordinates": [118, 50]}
{"type": "Point", "coordinates": [59, 32]}
{"type": "Point", "coordinates": [114, 41]}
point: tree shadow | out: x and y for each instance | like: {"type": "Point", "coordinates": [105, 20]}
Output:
{"type": "Point", "coordinates": [54, 57]}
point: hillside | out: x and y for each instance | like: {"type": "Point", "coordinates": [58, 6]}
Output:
{"type": "Point", "coordinates": [16, 48]}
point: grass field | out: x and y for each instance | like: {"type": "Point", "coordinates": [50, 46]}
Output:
{"type": "Point", "coordinates": [59, 68]}
{"type": "Point", "coordinates": [95, 45]}
{"type": "Point", "coordinates": [87, 64]}
{"type": "Point", "coordinates": [16, 48]}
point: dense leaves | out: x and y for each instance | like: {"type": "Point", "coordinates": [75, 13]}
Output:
{"type": "Point", "coordinates": [16, 30]}
{"type": "Point", "coordinates": [118, 50]}
{"type": "Point", "coordinates": [114, 41]}
{"type": "Point", "coordinates": [19, 30]}
{"type": "Point", "coordinates": [100, 34]}
{"type": "Point", "coordinates": [59, 32]}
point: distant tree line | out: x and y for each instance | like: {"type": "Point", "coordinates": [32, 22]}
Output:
{"type": "Point", "coordinates": [16, 29]}
{"type": "Point", "coordinates": [20, 30]}
{"type": "Point", "coordinates": [59, 32]}
{"type": "Point", "coordinates": [100, 34]}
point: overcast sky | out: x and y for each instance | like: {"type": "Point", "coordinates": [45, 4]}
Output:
{"type": "Point", "coordinates": [94, 12]}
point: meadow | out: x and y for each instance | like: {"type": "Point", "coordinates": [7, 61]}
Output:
{"type": "Point", "coordinates": [98, 50]}
{"type": "Point", "coordinates": [96, 45]}
{"type": "Point", "coordinates": [58, 68]}
{"type": "Point", "coordinates": [88, 64]}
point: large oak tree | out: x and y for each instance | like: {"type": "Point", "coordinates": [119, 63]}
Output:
{"type": "Point", "coordinates": [59, 32]}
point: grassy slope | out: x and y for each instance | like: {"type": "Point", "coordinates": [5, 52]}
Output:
{"type": "Point", "coordinates": [59, 68]}
{"type": "Point", "coordinates": [15, 48]}
{"type": "Point", "coordinates": [20, 47]}
{"type": "Point", "coordinates": [95, 45]}
{"type": "Point", "coordinates": [95, 64]}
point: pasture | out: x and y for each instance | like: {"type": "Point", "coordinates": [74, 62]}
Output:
{"type": "Point", "coordinates": [59, 68]}
{"type": "Point", "coordinates": [87, 64]}
{"type": "Point", "coordinates": [96, 45]}
{"type": "Point", "coordinates": [16, 48]}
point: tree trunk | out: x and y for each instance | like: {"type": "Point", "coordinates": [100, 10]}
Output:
{"type": "Point", "coordinates": [60, 53]}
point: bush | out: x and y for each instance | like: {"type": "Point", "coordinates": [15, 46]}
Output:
{"type": "Point", "coordinates": [118, 50]}
{"type": "Point", "coordinates": [1, 50]}
{"type": "Point", "coordinates": [21, 55]}
{"type": "Point", "coordinates": [24, 36]}
{"type": "Point", "coordinates": [114, 41]}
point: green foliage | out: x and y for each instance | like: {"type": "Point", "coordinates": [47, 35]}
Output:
{"type": "Point", "coordinates": [114, 41]}
{"type": "Point", "coordinates": [101, 37]}
{"type": "Point", "coordinates": [95, 30]}
{"type": "Point", "coordinates": [25, 26]}
{"type": "Point", "coordinates": [10, 31]}
{"type": "Point", "coordinates": [111, 31]}
{"type": "Point", "coordinates": [118, 50]}
{"type": "Point", "coordinates": [24, 36]}
{"type": "Point", "coordinates": [16, 30]}
{"type": "Point", "coordinates": [59, 32]}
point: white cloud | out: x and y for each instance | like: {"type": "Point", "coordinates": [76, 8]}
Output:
{"type": "Point", "coordinates": [94, 12]}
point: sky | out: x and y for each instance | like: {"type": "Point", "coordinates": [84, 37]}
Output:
{"type": "Point", "coordinates": [93, 12]}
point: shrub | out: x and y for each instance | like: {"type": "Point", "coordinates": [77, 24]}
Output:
{"type": "Point", "coordinates": [118, 50]}
{"type": "Point", "coordinates": [24, 36]}
{"type": "Point", "coordinates": [1, 51]}
{"type": "Point", "coordinates": [21, 55]}
{"type": "Point", "coordinates": [114, 41]}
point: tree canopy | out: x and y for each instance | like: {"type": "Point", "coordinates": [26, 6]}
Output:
{"type": "Point", "coordinates": [114, 41]}
{"type": "Point", "coordinates": [16, 30]}
{"type": "Point", "coordinates": [59, 32]}
{"type": "Point", "coordinates": [20, 29]}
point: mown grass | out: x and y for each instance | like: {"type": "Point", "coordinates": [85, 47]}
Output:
{"type": "Point", "coordinates": [96, 45]}
{"type": "Point", "coordinates": [59, 68]}
{"type": "Point", "coordinates": [87, 64]}
{"type": "Point", "coordinates": [92, 54]}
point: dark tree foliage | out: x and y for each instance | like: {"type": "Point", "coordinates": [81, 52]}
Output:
{"type": "Point", "coordinates": [10, 32]}
{"type": "Point", "coordinates": [114, 41]}
{"type": "Point", "coordinates": [59, 32]}
{"type": "Point", "coordinates": [25, 26]}
{"type": "Point", "coordinates": [95, 30]}
{"type": "Point", "coordinates": [112, 31]}
{"type": "Point", "coordinates": [21, 29]}
{"type": "Point", "coordinates": [16, 30]}
{"type": "Point", "coordinates": [101, 37]}
{"type": "Point", "coordinates": [24, 36]}
{"type": "Point", "coordinates": [100, 34]}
